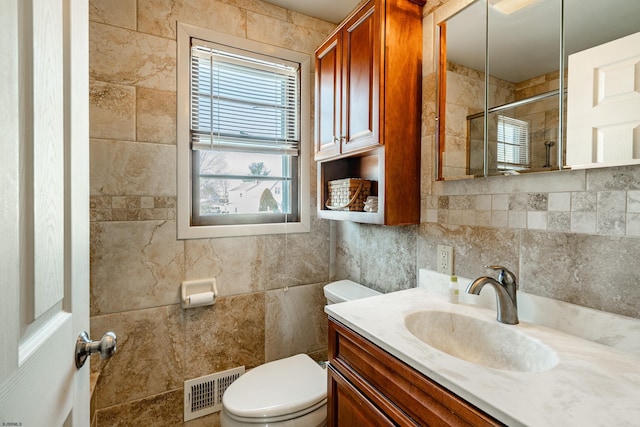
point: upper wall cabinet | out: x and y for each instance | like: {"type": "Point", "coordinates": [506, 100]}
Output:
{"type": "Point", "coordinates": [348, 82]}
{"type": "Point", "coordinates": [368, 109]}
{"type": "Point", "coordinates": [328, 102]}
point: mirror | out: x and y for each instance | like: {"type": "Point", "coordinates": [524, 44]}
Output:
{"type": "Point", "coordinates": [508, 121]}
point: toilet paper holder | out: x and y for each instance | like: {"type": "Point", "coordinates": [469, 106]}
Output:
{"type": "Point", "coordinates": [198, 293]}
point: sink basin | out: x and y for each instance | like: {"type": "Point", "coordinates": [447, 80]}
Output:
{"type": "Point", "coordinates": [486, 343]}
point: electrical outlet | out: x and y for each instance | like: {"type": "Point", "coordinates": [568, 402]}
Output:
{"type": "Point", "coordinates": [444, 260]}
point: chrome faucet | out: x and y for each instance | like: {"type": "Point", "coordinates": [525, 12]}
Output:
{"type": "Point", "coordinates": [505, 288]}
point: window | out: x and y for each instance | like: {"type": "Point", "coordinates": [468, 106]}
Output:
{"type": "Point", "coordinates": [513, 143]}
{"type": "Point", "coordinates": [243, 129]}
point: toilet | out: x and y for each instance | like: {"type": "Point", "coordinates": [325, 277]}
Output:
{"type": "Point", "coordinates": [290, 392]}
{"type": "Point", "coordinates": [346, 290]}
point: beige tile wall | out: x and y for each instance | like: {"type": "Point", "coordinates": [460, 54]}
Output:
{"type": "Point", "coordinates": [609, 213]}
{"type": "Point", "coordinates": [137, 263]}
{"type": "Point", "coordinates": [465, 96]}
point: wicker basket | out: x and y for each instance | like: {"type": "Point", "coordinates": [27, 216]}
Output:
{"type": "Point", "coordinates": [348, 194]}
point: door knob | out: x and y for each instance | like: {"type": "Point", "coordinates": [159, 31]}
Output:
{"type": "Point", "coordinates": [85, 347]}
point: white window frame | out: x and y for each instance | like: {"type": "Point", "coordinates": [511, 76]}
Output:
{"type": "Point", "coordinates": [522, 143]}
{"type": "Point", "coordinates": [184, 179]}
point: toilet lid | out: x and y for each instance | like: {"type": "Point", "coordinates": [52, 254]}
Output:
{"type": "Point", "coordinates": [277, 388]}
{"type": "Point", "coordinates": [346, 290]}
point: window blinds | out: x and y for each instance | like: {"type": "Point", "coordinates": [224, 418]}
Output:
{"type": "Point", "coordinates": [242, 103]}
{"type": "Point", "coordinates": [513, 142]}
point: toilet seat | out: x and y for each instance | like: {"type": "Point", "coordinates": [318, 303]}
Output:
{"type": "Point", "coordinates": [295, 386]}
{"type": "Point", "coordinates": [285, 417]}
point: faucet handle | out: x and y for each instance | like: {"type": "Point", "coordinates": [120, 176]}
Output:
{"type": "Point", "coordinates": [505, 276]}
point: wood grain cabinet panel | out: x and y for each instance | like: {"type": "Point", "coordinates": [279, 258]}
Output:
{"type": "Point", "coordinates": [363, 376]}
{"type": "Point", "coordinates": [361, 80]}
{"type": "Point", "coordinates": [328, 94]}
{"type": "Point", "coordinates": [349, 407]}
{"type": "Point", "coordinates": [368, 109]}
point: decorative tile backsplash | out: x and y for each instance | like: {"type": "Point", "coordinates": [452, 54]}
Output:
{"type": "Point", "coordinates": [611, 213]}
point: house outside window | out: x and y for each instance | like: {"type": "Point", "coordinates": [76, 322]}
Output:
{"type": "Point", "coordinates": [243, 129]}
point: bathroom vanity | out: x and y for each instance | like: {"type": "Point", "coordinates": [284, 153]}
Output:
{"type": "Point", "coordinates": [393, 361]}
{"type": "Point", "coordinates": [369, 386]}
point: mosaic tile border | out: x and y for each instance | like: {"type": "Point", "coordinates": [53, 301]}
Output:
{"type": "Point", "coordinates": [132, 208]}
{"type": "Point", "coordinates": [610, 213]}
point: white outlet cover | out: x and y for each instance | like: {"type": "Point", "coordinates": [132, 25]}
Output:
{"type": "Point", "coordinates": [444, 260]}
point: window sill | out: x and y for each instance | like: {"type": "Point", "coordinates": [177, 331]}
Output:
{"type": "Point", "coordinates": [214, 231]}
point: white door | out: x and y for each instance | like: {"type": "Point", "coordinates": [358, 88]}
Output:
{"type": "Point", "coordinates": [603, 105]}
{"type": "Point", "coordinates": [44, 211]}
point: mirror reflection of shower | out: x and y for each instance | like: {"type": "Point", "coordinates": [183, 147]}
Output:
{"type": "Point", "coordinates": [547, 147]}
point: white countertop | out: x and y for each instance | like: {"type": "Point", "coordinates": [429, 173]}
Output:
{"type": "Point", "coordinates": [592, 384]}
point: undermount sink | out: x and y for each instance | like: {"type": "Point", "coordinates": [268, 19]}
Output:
{"type": "Point", "coordinates": [486, 343]}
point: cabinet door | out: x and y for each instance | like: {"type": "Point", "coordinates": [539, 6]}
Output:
{"type": "Point", "coordinates": [348, 407]}
{"type": "Point", "coordinates": [361, 81]}
{"type": "Point", "coordinates": [328, 97]}
{"type": "Point", "coordinates": [361, 374]}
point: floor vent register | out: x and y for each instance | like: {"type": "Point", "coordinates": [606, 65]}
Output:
{"type": "Point", "coordinates": [203, 396]}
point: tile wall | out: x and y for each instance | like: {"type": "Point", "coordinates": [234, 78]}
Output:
{"type": "Point", "coordinates": [568, 235]}
{"type": "Point", "coordinates": [465, 97]}
{"type": "Point", "coordinates": [271, 302]}
{"type": "Point", "coordinates": [602, 212]}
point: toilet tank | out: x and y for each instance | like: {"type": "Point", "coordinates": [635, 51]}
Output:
{"type": "Point", "coordinates": [346, 290]}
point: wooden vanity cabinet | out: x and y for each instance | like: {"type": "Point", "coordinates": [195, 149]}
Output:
{"type": "Point", "coordinates": [368, 386]}
{"type": "Point", "coordinates": [368, 108]}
